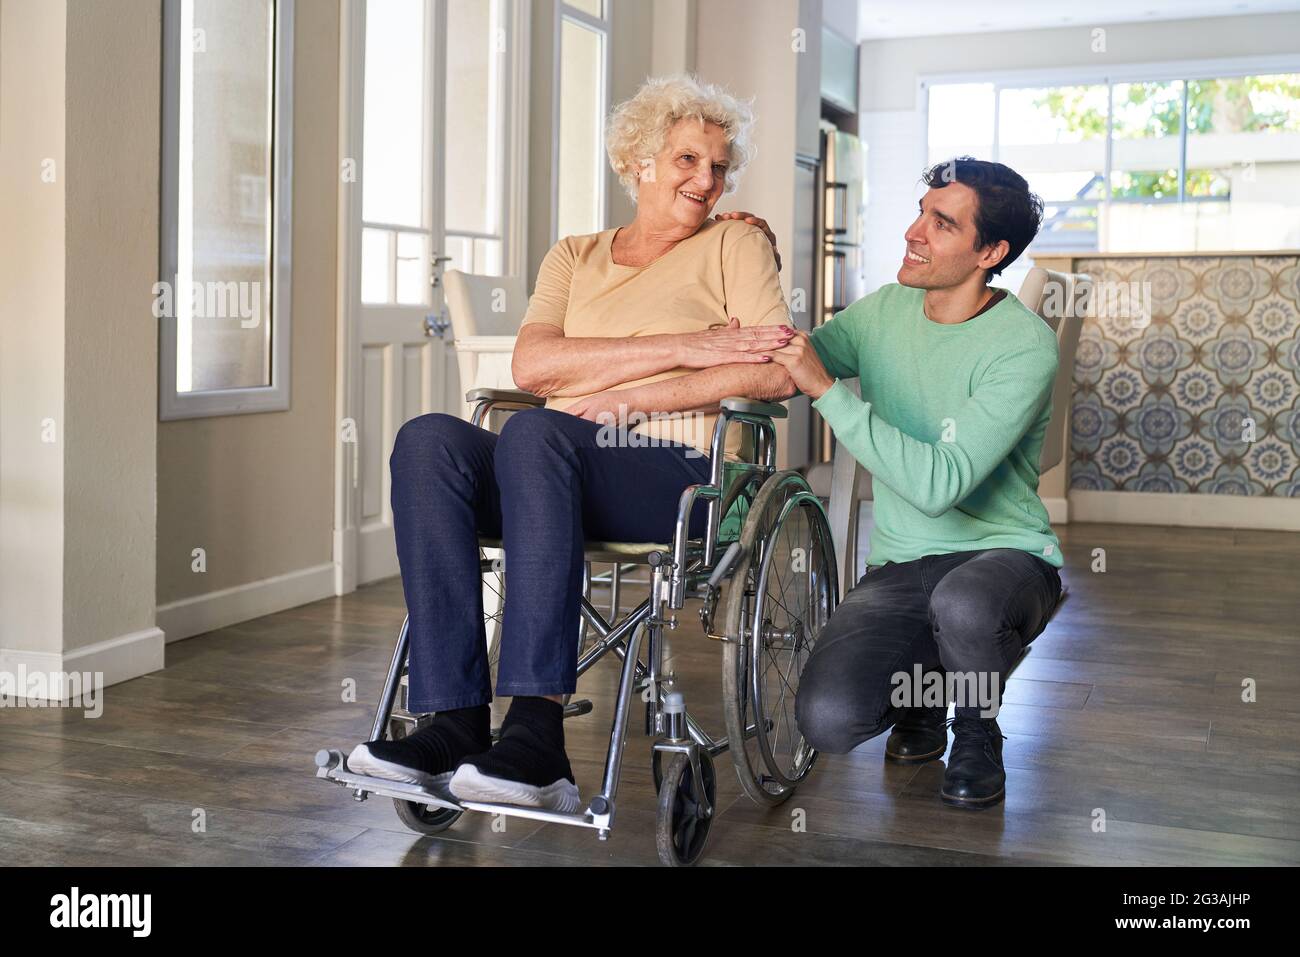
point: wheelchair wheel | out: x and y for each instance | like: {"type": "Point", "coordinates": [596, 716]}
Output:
{"type": "Point", "coordinates": [420, 818]}
{"type": "Point", "coordinates": [494, 607]}
{"type": "Point", "coordinates": [424, 819]}
{"type": "Point", "coordinates": [681, 829]}
{"type": "Point", "coordinates": [782, 591]}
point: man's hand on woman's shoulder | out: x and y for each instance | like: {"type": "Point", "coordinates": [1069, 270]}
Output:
{"type": "Point", "coordinates": [760, 223]}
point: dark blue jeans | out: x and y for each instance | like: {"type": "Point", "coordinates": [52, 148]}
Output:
{"type": "Point", "coordinates": [961, 613]}
{"type": "Point", "coordinates": [542, 485]}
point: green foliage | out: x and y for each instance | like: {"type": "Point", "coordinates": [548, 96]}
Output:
{"type": "Point", "coordinates": [1248, 104]}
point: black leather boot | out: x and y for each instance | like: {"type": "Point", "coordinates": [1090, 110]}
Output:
{"type": "Point", "coordinates": [975, 777]}
{"type": "Point", "coordinates": [920, 734]}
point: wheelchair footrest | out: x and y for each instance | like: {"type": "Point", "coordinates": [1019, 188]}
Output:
{"type": "Point", "coordinates": [331, 766]}
{"type": "Point", "coordinates": [575, 708]}
{"type": "Point", "coordinates": [578, 818]}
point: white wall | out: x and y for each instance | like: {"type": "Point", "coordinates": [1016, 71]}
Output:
{"type": "Point", "coordinates": [32, 44]}
{"type": "Point", "coordinates": [890, 68]}
{"type": "Point", "coordinates": [79, 342]}
{"type": "Point", "coordinates": [842, 17]}
{"type": "Point", "coordinates": [673, 42]}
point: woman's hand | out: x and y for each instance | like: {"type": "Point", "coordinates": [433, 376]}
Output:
{"type": "Point", "coordinates": [803, 365]}
{"type": "Point", "coordinates": [730, 343]}
{"type": "Point", "coordinates": [615, 403]}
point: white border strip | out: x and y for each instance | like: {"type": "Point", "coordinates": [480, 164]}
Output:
{"type": "Point", "coordinates": [1266, 512]}
{"type": "Point", "coordinates": [231, 606]}
{"type": "Point", "coordinates": [118, 659]}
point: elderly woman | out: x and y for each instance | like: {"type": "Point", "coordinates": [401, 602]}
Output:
{"type": "Point", "coordinates": [668, 314]}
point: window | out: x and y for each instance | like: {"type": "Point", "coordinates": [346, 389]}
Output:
{"type": "Point", "coordinates": [396, 233]}
{"type": "Point", "coordinates": [581, 91]}
{"type": "Point", "coordinates": [1139, 164]}
{"type": "Point", "coordinates": [402, 202]}
{"type": "Point", "coordinates": [223, 292]}
{"type": "Point", "coordinates": [1063, 162]}
{"type": "Point", "coordinates": [477, 78]}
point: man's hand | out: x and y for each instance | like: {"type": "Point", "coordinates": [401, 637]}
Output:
{"type": "Point", "coordinates": [803, 365]}
{"type": "Point", "coordinates": [761, 224]}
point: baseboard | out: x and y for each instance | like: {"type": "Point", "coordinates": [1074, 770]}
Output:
{"type": "Point", "coordinates": [230, 606]}
{"type": "Point", "coordinates": [345, 561]}
{"type": "Point", "coordinates": [1197, 511]}
{"type": "Point", "coordinates": [1058, 510]}
{"type": "Point", "coordinates": [117, 659]}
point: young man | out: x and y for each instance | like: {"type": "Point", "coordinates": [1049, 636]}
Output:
{"type": "Point", "coordinates": [956, 380]}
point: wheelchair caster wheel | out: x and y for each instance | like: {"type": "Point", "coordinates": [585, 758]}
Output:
{"type": "Point", "coordinates": [682, 829]}
{"type": "Point", "coordinates": [420, 818]}
{"type": "Point", "coordinates": [424, 819]}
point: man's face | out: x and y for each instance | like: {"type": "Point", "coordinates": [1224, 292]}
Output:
{"type": "Point", "coordinates": [941, 244]}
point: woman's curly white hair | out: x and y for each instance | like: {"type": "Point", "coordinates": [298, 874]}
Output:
{"type": "Point", "coordinates": [638, 126]}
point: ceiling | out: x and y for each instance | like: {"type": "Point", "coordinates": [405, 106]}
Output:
{"type": "Point", "coordinates": [889, 19]}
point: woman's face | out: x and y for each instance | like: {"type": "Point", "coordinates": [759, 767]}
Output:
{"type": "Point", "coordinates": [689, 174]}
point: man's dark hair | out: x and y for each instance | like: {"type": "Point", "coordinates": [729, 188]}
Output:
{"type": "Point", "coordinates": [1007, 209]}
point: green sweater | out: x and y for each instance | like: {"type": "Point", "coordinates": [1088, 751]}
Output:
{"type": "Point", "coordinates": [950, 424]}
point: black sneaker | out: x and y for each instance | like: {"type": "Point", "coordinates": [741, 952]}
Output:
{"type": "Point", "coordinates": [428, 756]}
{"type": "Point", "coordinates": [523, 768]}
{"type": "Point", "coordinates": [974, 777]}
{"type": "Point", "coordinates": [920, 734]}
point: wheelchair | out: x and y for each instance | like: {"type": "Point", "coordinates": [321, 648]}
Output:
{"type": "Point", "coordinates": [766, 578]}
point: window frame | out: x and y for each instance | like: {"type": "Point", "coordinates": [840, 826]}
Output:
{"type": "Point", "coordinates": [275, 397]}
{"type": "Point", "coordinates": [1110, 75]}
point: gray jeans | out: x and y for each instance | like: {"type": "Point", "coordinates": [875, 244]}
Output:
{"type": "Point", "coordinates": [962, 613]}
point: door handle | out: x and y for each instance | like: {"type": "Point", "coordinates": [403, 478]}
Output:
{"type": "Point", "coordinates": [436, 324]}
{"type": "Point", "coordinates": [435, 274]}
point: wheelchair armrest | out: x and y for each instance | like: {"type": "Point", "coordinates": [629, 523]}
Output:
{"type": "Point", "coordinates": [504, 395]}
{"type": "Point", "coordinates": [736, 403]}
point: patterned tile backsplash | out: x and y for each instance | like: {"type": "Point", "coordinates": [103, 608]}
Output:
{"type": "Point", "coordinates": [1203, 394]}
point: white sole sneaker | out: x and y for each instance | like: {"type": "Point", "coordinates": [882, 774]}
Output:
{"type": "Point", "coordinates": [471, 784]}
{"type": "Point", "coordinates": [361, 761]}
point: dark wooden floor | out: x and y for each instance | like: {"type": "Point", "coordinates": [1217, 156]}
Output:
{"type": "Point", "coordinates": [1128, 706]}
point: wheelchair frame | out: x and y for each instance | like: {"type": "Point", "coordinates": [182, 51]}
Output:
{"type": "Point", "coordinates": [690, 569]}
